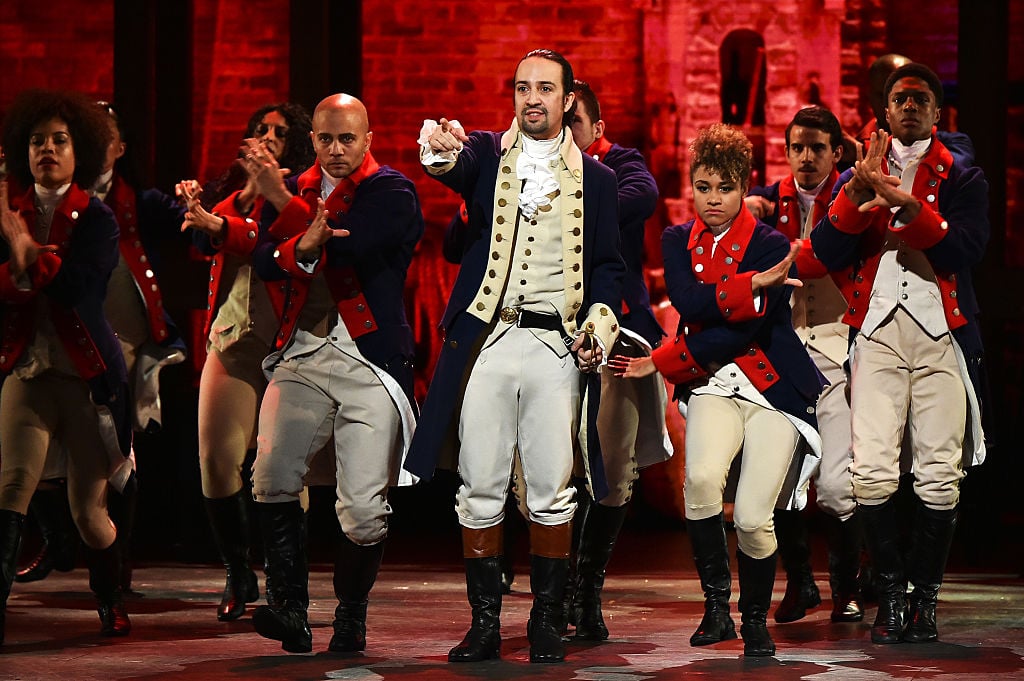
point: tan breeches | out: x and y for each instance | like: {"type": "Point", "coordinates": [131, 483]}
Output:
{"type": "Point", "coordinates": [900, 378]}
{"type": "Point", "coordinates": [717, 429]}
{"type": "Point", "coordinates": [32, 414]}
{"type": "Point", "coordinates": [230, 390]}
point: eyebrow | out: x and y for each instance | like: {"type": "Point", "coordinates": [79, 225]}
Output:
{"type": "Point", "coordinates": [539, 82]}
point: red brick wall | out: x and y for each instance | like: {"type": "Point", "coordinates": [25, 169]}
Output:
{"type": "Point", "coordinates": [456, 59]}
{"type": "Point", "coordinates": [240, 63]}
{"type": "Point", "coordinates": [41, 47]}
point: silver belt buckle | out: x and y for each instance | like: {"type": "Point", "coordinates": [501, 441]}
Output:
{"type": "Point", "coordinates": [509, 315]}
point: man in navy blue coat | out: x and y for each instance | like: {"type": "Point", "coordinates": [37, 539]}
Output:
{"type": "Point", "coordinates": [905, 227]}
{"type": "Point", "coordinates": [534, 307]}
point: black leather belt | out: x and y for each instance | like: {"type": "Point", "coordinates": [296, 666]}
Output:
{"type": "Point", "coordinates": [528, 319]}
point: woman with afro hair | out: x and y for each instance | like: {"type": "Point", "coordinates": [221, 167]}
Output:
{"type": "Point", "coordinates": [64, 372]}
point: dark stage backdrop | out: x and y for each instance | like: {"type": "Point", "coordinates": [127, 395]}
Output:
{"type": "Point", "coordinates": [188, 74]}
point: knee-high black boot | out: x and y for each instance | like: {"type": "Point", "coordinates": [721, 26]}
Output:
{"type": "Point", "coordinates": [929, 549]}
{"type": "Point", "coordinates": [711, 558]}
{"type": "Point", "coordinates": [801, 591]}
{"type": "Point", "coordinates": [845, 539]}
{"type": "Point", "coordinates": [355, 571]}
{"type": "Point", "coordinates": [229, 520]}
{"type": "Point", "coordinates": [482, 552]}
{"type": "Point", "coordinates": [11, 524]}
{"type": "Point", "coordinates": [570, 606]}
{"type": "Point", "coordinates": [757, 578]}
{"type": "Point", "coordinates": [105, 582]}
{"type": "Point", "coordinates": [60, 537]}
{"type": "Point", "coordinates": [121, 507]}
{"type": "Point", "coordinates": [549, 570]}
{"type": "Point", "coordinates": [881, 534]}
{"type": "Point", "coordinates": [288, 573]}
{"type": "Point", "coordinates": [597, 539]}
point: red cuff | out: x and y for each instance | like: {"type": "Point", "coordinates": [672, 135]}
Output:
{"type": "Point", "coordinates": [239, 235]}
{"type": "Point", "coordinates": [44, 269]}
{"type": "Point", "coordinates": [735, 298]}
{"type": "Point", "coordinates": [286, 259]}
{"type": "Point", "coordinates": [924, 231]}
{"type": "Point", "coordinates": [807, 264]}
{"type": "Point", "coordinates": [845, 215]}
{"type": "Point", "coordinates": [675, 362]}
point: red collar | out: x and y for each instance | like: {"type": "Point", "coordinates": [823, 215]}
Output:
{"type": "Point", "coordinates": [310, 184]}
{"type": "Point", "coordinates": [598, 148]}
{"type": "Point", "coordinates": [74, 199]}
{"type": "Point", "coordinates": [738, 236]}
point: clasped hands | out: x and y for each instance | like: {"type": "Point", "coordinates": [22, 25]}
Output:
{"type": "Point", "coordinates": [871, 187]}
{"type": "Point", "coordinates": [589, 355]}
{"type": "Point", "coordinates": [24, 249]}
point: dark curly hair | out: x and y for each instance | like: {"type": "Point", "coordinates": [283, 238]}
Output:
{"type": "Point", "coordinates": [298, 150]}
{"type": "Point", "coordinates": [723, 150]}
{"type": "Point", "coordinates": [87, 126]}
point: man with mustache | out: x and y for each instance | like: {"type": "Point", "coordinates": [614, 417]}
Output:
{"type": "Point", "coordinates": [535, 304]}
{"type": "Point", "coordinates": [793, 206]}
{"type": "Point", "coordinates": [907, 224]}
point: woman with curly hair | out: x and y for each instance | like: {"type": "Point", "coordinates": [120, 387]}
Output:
{"type": "Point", "coordinates": [243, 315]}
{"type": "Point", "coordinates": [743, 379]}
{"type": "Point", "coordinates": [65, 377]}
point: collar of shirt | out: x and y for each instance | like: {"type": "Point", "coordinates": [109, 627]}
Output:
{"type": "Point", "coordinates": [599, 147]}
{"type": "Point", "coordinates": [902, 155]}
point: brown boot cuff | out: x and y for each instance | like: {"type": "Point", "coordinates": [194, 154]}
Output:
{"type": "Point", "coordinates": [550, 541]}
{"type": "Point", "coordinates": [483, 543]}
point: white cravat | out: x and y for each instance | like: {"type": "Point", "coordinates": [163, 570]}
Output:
{"type": "Point", "coordinates": [46, 203]}
{"type": "Point", "coordinates": [533, 166]}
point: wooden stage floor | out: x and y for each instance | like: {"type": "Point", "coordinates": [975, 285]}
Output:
{"type": "Point", "coordinates": [418, 611]}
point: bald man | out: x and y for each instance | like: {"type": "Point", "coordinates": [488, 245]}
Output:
{"type": "Point", "coordinates": [342, 235]}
